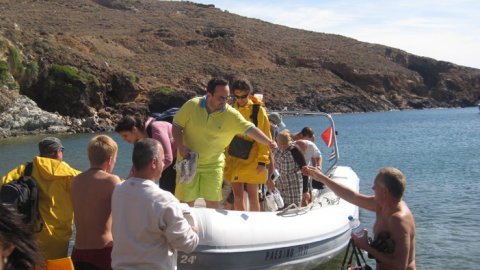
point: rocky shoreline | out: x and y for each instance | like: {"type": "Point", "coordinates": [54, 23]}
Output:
{"type": "Point", "coordinates": [64, 70]}
{"type": "Point", "coordinates": [22, 116]}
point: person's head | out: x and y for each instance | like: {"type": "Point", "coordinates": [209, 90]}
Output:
{"type": "Point", "coordinates": [276, 119]}
{"type": "Point", "coordinates": [284, 140]}
{"type": "Point", "coordinates": [218, 93]}
{"type": "Point", "coordinates": [148, 158]}
{"type": "Point", "coordinates": [131, 128]}
{"type": "Point", "coordinates": [390, 180]}
{"type": "Point", "coordinates": [308, 134]}
{"type": "Point", "coordinates": [241, 91]}
{"type": "Point", "coordinates": [18, 246]}
{"type": "Point", "coordinates": [102, 150]}
{"type": "Point", "coordinates": [51, 147]}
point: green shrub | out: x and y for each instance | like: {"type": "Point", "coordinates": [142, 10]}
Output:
{"type": "Point", "coordinates": [92, 79]}
{"type": "Point", "coordinates": [70, 74]}
{"type": "Point", "coordinates": [3, 44]}
{"type": "Point", "coordinates": [4, 71]}
{"type": "Point", "coordinates": [165, 90]}
{"type": "Point", "coordinates": [15, 60]}
{"type": "Point", "coordinates": [132, 78]}
{"type": "Point", "coordinates": [65, 72]}
{"type": "Point", "coordinates": [31, 70]}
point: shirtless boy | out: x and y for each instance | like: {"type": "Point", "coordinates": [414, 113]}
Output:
{"type": "Point", "coordinates": [91, 198]}
{"type": "Point", "coordinates": [392, 215]}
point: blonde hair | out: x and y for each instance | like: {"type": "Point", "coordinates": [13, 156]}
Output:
{"type": "Point", "coordinates": [284, 137]}
{"type": "Point", "coordinates": [100, 149]}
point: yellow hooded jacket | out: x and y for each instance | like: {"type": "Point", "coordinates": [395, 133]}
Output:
{"type": "Point", "coordinates": [245, 170]}
{"type": "Point", "coordinates": [53, 179]}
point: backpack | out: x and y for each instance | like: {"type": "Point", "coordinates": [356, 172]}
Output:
{"type": "Point", "coordinates": [166, 116]}
{"type": "Point", "coordinates": [255, 109]}
{"type": "Point", "coordinates": [22, 195]}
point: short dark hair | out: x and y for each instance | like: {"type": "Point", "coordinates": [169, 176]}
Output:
{"type": "Point", "coordinates": [128, 122]}
{"type": "Point", "coordinates": [144, 150]}
{"type": "Point", "coordinates": [307, 132]}
{"type": "Point", "coordinates": [394, 180]}
{"type": "Point", "coordinates": [213, 83]}
{"type": "Point", "coordinates": [242, 84]}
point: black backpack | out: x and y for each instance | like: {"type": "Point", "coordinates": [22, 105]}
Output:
{"type": "Point", "coordinates": [22, 194]}
{"type": "Point", "coordinates": [166, 116]}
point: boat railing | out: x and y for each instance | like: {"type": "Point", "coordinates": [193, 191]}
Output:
{"type": "Point", "coordinates": [334, 155]}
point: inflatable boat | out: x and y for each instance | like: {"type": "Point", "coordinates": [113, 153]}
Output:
{"type": "Point", "coordinates": [294, 238]}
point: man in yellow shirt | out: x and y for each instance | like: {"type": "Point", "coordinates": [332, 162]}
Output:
{"type": "Point", "coordinates": [53, 178]}
{"type": "Point", "coordinates": [206, 125]}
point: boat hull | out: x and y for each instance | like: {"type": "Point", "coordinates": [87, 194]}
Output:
{"type": "Point", "coordinates": [304, 256]}
{"type": "Point", "coordinates": [296, 239]}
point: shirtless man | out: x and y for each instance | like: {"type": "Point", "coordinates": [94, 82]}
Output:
{"type": "Point", "coordinates": [392, 215]}
{"type": "Point", "coordinates": [91, 198]}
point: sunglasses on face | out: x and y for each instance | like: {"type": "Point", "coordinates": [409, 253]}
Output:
{"type": "Point", "coordinates": [241, 97]}
{"type": "Point", "coordinates": [222, 98]}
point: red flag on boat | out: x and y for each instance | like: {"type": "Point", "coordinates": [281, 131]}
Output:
{"type": "Point", "coordinates": [327, 136]}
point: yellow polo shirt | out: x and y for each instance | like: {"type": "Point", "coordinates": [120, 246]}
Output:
{"type": "Point", "coordinates": [208, 134]}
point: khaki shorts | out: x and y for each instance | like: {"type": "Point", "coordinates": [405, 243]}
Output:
{"type": "Point", "coordinates": [207, 184]}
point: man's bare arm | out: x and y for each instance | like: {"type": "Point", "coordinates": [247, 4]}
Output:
{"type": "Point", "coordinates": [256, 134]}
{"type": "Point", "coordinates": [364, 201]}
{"type": "Point", "coordinates": [177, 133]}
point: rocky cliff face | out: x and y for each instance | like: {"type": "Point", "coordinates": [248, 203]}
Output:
{"type": "Point", "coordinates": [91, 61]}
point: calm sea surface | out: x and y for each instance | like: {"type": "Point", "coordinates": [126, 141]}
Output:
{"type": "Point", "coordinates": [438, 150]}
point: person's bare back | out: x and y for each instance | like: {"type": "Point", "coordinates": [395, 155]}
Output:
{"type": "Point", "coordinates": [91, 198]}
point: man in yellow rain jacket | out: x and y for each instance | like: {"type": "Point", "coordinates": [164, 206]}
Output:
{"type": "Point", "coordinates": [53, 178]}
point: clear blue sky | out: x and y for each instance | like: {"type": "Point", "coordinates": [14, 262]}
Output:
{"type": "Point", "coordinates": [441, 29]}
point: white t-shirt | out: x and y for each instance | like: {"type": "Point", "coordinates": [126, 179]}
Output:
{"type": "Point", "coordinates": [148, 227]}
{"type": "Point", "coordinates": [310, 152]}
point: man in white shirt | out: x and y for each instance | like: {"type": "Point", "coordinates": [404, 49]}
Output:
{"type": "Point", "coordinates": [313, 157]}
{"type": "Point", "coordinates": [310, 151]}
{"type": "Point", "coordinates": [148, 223]}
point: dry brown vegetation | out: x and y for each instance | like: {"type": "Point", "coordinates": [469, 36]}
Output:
{"type": "Point", "coordinates": [137, 48]}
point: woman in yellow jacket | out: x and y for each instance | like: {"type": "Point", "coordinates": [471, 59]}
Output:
{"type": "Point", "coordinates": [53, 178]}
{"type": "Point", "coordinates": [251, 171]}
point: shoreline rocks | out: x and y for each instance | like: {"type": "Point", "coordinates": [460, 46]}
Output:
{"type": "Point", "coordinates": [21, 116]}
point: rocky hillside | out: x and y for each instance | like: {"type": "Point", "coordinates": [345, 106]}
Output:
{"type": "Point", "coordinates": [89, 61]}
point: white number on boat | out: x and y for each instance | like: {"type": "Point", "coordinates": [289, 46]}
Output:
{"type": "Point", "coordinates": [188, 259]}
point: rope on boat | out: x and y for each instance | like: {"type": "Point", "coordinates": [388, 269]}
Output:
{"type": "Point", "coordinates": [322, 201]}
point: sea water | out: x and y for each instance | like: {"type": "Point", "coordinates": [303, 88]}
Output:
{"type": "Point", "coordinates": [438, 150]}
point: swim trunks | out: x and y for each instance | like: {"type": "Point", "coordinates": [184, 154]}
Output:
{"type": "Point", "coordinates": [93, 259]}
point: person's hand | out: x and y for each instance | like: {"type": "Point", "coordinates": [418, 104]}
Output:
{"type": "Point", "coordinates": [361, 242]}
{"type": "Point", "coordinates": [308, 170]}
{"type": "Point", "coordinates": [195, 229]}
{"type": "Point", "coordinates": [313, 172]}
{"type": "Point", "coordinates": [306, 198]}
{"type": "Point", "coordinates": [260, 168]}
{"type": "Point", "coordinates": [272, 144]}
{"type": "Point", "coordinates": [184, 151]}
{"type": "Point", "coordinates": [270, 184]}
